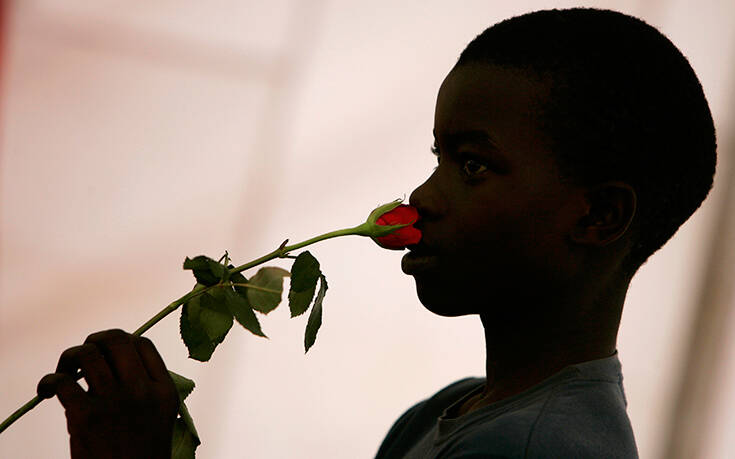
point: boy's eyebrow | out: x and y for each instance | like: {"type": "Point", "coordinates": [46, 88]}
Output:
{"type": "Point", "coordinates": [474, 135]}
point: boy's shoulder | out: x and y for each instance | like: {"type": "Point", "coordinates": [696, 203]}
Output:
{"type": "Point", "coordinates": [580, 412]}
{"type": "Point", "coordinates": [577, 418]}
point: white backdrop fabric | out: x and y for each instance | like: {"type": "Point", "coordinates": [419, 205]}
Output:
{"type": "Point", "coordinates": [137, 133]}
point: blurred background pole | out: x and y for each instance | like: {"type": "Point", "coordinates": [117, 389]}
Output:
{"type": "Point", "coordinates": [693, 402]}
{"type": "Point", "coordinates": [3, 45]}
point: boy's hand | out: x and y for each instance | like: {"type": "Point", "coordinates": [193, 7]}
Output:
{"type": "Point", "coordinates": [131, 404]}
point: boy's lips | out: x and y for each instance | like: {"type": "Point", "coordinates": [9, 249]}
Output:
{"type": "Point", "coordinates": [420, 249]}
{"type": "Point", "coordinates": [420, 258]}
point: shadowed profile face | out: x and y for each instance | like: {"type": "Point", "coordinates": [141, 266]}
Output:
{"type": "Point", "coordinates": [494, 213]}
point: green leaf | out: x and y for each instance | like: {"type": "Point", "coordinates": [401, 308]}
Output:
{"type": "Point", "coordinates": [238, 278]}
{"type": "Point", "coordinates": [188, 421]}
{"type": "Point", "coordinates": [184, 386]}
{"type": "Point", "coordinates": [194, 337]}
{"type": "Point", "coordinates": [183, 443]}
{"type": "Point", "coordinates": [315, 316]}
{"type": "Point", "coordinates": [185, 437]}
{"type": "Point", "coordinates": [217, 269]}
{"type": "Point", "coordinates": [193, 333]}
{"type": "Point", "coordinates": [206, 270]}
{"type": "Point", "coordinates": [270, 278]}
{"type": "Point", "coordinates": [214, 316]}
{"type": "Point", "coordinates": [299, 302]}
{"type": "Point", "coordinates": [239, 307]}
{"type": "Point", "coordinates": [304, 275]}
{"type": "Point", "coordinates": [225, 274]}
{"type": "Point", "coordinates": [305, 272]}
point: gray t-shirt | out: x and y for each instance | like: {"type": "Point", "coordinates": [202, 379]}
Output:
{"type": "Point", "coordinates": [579, 412]}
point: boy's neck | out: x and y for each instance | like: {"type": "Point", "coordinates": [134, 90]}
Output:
{"type": "Point", "coordinates": [504, 382]}
{"type": "Point", "coordinates": [522, 354]}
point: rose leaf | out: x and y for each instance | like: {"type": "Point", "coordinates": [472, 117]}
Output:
{"type": "Point", "coordinates": [193, 334]}
{"type": "Point", "coordinates": [184, 386]}
{"type": "Point", "coordinates": [206, 271]}
{"type": "Point", "coordinates": [304, 275]}
{"type": "Point", "coordinates": [185, 438]}
{"type": "Point", "coordinates": [214, 316]}
{"type": "Point", "coordinates": [315, 316]}
{"type": "Point", "coordinates": [239, 307]}
{"type": "Point", "coordinates": [270, 279]}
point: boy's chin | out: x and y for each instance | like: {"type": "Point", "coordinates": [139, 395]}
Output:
{"type": "Point", "coordinates": [448, 311]}
{"type": "Point", "coordinates": [442, 304]}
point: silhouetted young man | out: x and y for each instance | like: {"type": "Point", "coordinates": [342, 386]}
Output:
{"type": "Point", "coordinates": [571, 144]}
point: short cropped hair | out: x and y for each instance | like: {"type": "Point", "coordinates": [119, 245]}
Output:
{"type": "Point", "coordinates": [624, 104]}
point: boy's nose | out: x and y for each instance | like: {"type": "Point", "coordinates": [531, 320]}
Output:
{"type": "Point", "coordinates": [427, 200]}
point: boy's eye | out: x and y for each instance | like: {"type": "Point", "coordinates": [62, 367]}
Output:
{"type": "Point", "coordinates": [470, 166]}
{"type": "Point", "coordinates": [473, 167]}
{"type": "Point", "coordinates": [435, 150]}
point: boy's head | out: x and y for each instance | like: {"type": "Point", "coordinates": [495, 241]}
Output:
{"type": "Point", "coordinates": [572, 145]}
{"type": "Point", "coordinates": [624, 105]}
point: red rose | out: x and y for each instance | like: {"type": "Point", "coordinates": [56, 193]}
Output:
{"type": "Point", "coordinates": [400, 238]}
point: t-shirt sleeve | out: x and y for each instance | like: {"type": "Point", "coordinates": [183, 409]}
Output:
{"type": "Point", "coordinates": [584, 420]}
{"type": "Point", "coordinates": [578, 413]}
{"type": "Point", "coordinates": [394, 434]}
{"type": "Point", "coordinates": [419, 419]}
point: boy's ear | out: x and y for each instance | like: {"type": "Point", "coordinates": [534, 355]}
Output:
{"type": "Point", "coordinates": [610, 208]}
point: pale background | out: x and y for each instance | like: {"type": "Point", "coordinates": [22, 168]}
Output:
{"type": "Point", "coordinates": [137, 133]}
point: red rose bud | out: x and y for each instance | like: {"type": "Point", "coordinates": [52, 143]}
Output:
{"type": "Point", "coordinates": [391, 226]}
{"type": "Point", "coordinates": [402, 236]}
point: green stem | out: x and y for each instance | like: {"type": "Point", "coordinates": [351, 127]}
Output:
{"type": "Point", "coordinates": [255, 287]}
{"type": "Point", "coordinates": [198, 290]}
{"type": "Point", "coordinates": [282, 252]}
{"type": "Point", "coordinates": [20, 412]}
{"type": "Point", "coordinates": [32, 403]}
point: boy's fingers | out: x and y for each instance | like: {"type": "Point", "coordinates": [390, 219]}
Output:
{"type": "Point", "coordinates": [151, 359]}
{"type": "Point", "coordinates": [77, 448]}
{"type": "Point", "coordinates": [90, 360]}
{"type": "Point", "coordinates": [120, 352]}
{"type": "Point", "coordinates": [62, 385]}
{"type": "Point", "coordinates": [47, 386]}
